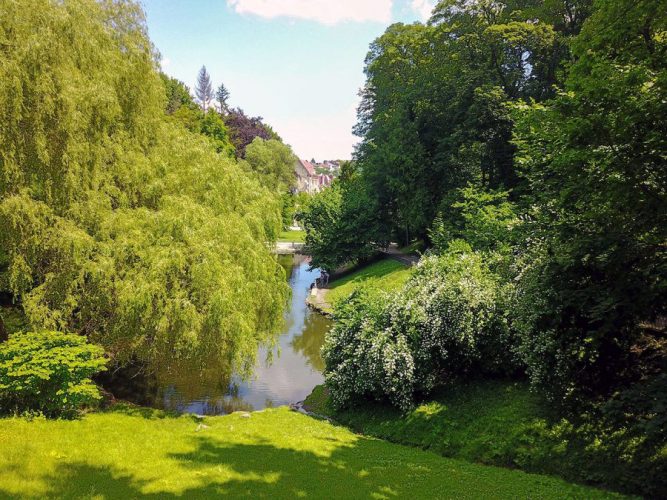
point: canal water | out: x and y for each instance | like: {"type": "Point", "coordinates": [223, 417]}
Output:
{"type": "Point", "coordinates": [282, 375]}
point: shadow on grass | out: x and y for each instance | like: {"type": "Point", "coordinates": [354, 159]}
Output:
{"type": "Point", "coordinates": [366, 468]}
{"type": "Point", "coordinates": [235, 470]}
{"type": "Point", "coordinates": [502, 423]}
{"type": "Point", "coordinates": [133, 410]}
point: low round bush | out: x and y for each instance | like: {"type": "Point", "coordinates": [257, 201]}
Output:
{"type": "Point", "coordinates": [48, 372]}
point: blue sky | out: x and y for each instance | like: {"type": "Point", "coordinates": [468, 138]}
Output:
{"type": "Point", "coordinates": [297, 63]}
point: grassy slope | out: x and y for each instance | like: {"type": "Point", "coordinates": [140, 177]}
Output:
{"type": "Point", "coordinates": [292, 236]}
{"type": "Point", "coordinates": [385, 274]}
{"type": "Point", "coordinates": [503, 423]}
{"type": "Point", "coordinates": [271, 454]}
{"type": "Point", "coordinates": [477, 422]}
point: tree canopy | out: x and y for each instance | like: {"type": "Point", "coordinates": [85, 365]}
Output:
{"type": "Point", "coordinates": [530, 134]}
{"type": "Point", "coordinates": [116, 222]}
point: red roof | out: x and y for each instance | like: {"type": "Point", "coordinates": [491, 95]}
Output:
{"type": "Point", "coordinates": [308, 166]}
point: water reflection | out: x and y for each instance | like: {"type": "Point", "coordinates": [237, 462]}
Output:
{"type": "Point", "coordinates": [284, 374]}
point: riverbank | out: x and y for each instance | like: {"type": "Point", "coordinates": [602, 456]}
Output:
{"type": "Point", "coordinates": [129, 452]}
{"type": "Point", "coordinates": [387, 274]}
{"type": "Point", "coordinates": [503, 423]}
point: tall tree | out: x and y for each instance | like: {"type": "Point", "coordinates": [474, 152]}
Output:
{"type": "Point", "coordinates": [243, 129]}
{"type": "Point", "coordinates": [435, 110]}
{"type": "Point", "coordinates": [274, 161]}
{"type": "Point", "coordinates": [222, 95]}
{"type": "Point", "coordinates": [204, 88]}
{"type": "Point", "coordinates": [595, 159]}
{"type": "Point", "coordinates": [178, 94]}
{"type": "Point", "coordinates": [116, 222]}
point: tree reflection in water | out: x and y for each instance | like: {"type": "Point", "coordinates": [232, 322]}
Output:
{"type": "Point", "coordinates": [284, 373]}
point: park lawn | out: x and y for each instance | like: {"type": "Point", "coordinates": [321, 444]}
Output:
{"type": "Point", "coordinates": [503, 423]}
{"type": "Point", "coordinates": [386, 274]}
{"type": "Point", "coordinates": [277, 453]}
{"type": "Point", "coordinates": [292, 236]}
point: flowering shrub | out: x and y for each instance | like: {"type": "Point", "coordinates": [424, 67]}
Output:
{"type": "Point", "coordinates": [365, 356]}
{"type": "Point", "coordinates": [463, 309]}
{"type": "Point", "coordinates": [449, 320]}
{"type": "Point", "coordinates": [48, 372]}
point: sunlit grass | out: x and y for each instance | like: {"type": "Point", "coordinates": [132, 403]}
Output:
{"type": "Point", "coordinates": [292, 236]}
{"type": "Point", "coordinates": [385, 275]}
{"type": "Point", "coordinates": [495, 422]}
{"type": "Point", "coordinates": [270, 454]}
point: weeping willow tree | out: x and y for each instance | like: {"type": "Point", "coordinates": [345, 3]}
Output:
{"type": "Point", "coordinates": [115, 222]}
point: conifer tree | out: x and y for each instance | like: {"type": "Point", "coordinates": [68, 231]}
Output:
{"type": "Point", "coordinates": [204, 89]}
{"type": "Point", "coordinates": [222, 94]}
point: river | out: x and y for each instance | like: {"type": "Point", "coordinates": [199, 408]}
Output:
{"type": "Point", "coordinates": [282, 375]}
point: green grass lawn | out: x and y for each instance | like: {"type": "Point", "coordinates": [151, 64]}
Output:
{"type": "Point", "coordinates": [292, 236]}
{"type": "Point", "coordinates": [504, 424]}
{"type": "Point", "coordinates": [414, 247]}
{"type": "Point", "coordinates": [386, 274]}
{"type": "Point", "coordinates": [271, 454]}
{"type": "Point", "coordinates": [476, 421]}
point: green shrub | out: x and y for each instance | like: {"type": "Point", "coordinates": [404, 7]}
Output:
{"type": "Point", "coordinates": [48, 372]}
{"type": "Point", "coordinates": [365, 356]}
{"type": "Point", "coordinates": [449, 320]}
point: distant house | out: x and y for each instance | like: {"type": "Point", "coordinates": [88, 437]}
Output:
{"type": "Point", "coordinates": [306, 178]}
{"type": "Point", "coordinates": [323, 181]}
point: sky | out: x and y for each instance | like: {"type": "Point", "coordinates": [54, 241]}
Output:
{"type": "Point", "coordinates": [297, 63]}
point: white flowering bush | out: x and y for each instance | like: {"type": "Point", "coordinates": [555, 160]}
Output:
{"type": "Point", "coordinates": [449, 320]}
{"type": "Point", "coordinates": [365, 356]}
{"type": "Point", "coordinates": [464, 309]}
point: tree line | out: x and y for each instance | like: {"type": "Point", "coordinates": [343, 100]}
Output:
{"type": "Point", "coordinates": [524, 142]}
{"type": "Point", "coordinates": [129, 213]}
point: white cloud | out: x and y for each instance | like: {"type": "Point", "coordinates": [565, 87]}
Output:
{"type": "Point", "coordinates": [323, 11]}
{"type": "Point", "coordinates": [423, 8]}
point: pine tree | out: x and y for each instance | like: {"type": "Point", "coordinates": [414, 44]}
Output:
{"type": "Point", "coordinates": [222, 94]}
{"type": "Point", "coordinates": [204, 89]}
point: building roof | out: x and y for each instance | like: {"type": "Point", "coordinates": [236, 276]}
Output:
{"type": "Point", "coordinates": [308, 166]}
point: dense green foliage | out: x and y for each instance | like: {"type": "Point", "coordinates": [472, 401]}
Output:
{"type": "Point", "coordinates": [131, 453]}
{"type": "Point", "coordinates": [450, 320]}
{"type": "Point", "coordinates": [505, 424]}
{"type": "Point", "coordinates": [594, 160]}
{"type": "Point", "coordinates": [116, 222]}
{"type": "Point", "coordinates": [273, 161]}
{"type": "Point", "coordinates": [48, 372]}
{"type": "Point", "coordinates": [337, 221]}
{"type": "Point", "coordinates": [182, 108]}
{"type": "Point", "coordinates": [533, 132]}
